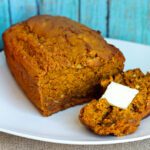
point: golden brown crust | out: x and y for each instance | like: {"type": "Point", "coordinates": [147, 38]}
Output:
{"type": "Point", "coordinates": [58, 62]}
{"type": "Point", "coordinates": [104, 119]}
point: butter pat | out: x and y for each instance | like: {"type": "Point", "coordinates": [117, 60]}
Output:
{"type": "Point", "coordinates": [119, 95]}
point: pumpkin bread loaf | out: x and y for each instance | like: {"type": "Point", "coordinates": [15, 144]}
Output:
{"type": "Point", "coordinates": [58, 62]}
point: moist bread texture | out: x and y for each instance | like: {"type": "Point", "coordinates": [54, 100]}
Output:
{"type": "Point", "coordinates": [105, 119]}
{"type": "Point", "coordinates": [58, 62]}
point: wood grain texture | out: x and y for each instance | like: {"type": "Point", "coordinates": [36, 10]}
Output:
{"type": "Point", "coordinates": [68, 8]}
{"type": "Point", "coordinates": [22, 9]}
{"type": "Point", "coordinates": [130, 20]}
{"type": "Point", "coordinates": [94, 14]}
{"type": "Point", "coordinates": [4, 18]}
{"type": "Point", "coordinates": [122, 19]}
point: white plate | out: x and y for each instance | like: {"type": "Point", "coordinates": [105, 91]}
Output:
{"type": "Point", "coordinates": [19, 117]}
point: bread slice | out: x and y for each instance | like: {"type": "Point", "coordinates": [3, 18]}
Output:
{"type": "Point", "coordinates": [105, 119]}
{"type": "Point", "coordinates": [58, 62]}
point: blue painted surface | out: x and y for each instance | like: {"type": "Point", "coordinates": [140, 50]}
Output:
{"type": "Point", "coordinates": [22, 9]}
{"type": "Point", "coordinates": [122, 19]}
{"type": "Point", "coordinates": [4, 18]}
{"type": "Point", "coordinates": [130, 20]}
{"type": "Point", "coordinates": [93, 14]}
{"type": "Point", "coordinates": [68, 8]}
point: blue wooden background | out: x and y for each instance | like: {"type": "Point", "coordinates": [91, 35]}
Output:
{"type": "Point", "coordinates": [121, 19]}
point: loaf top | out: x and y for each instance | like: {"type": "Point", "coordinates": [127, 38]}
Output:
{"type": "Point", "coordinates": [54, 42]}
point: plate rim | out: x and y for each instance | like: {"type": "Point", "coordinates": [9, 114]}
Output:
{"type": "Point", "coordinates": [71, 142]}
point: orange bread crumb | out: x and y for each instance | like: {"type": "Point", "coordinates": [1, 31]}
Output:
{"type": "Point", "coordinates": [104, 119]}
